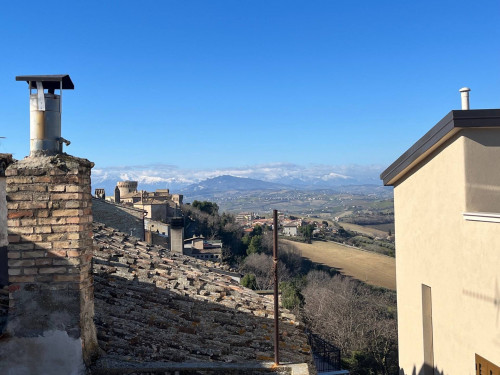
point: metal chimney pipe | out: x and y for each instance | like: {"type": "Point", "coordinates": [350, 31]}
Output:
{"type": "Point", "coordinates": [464, 92]}
{"type": "Point", "coordinates": [45, 112]}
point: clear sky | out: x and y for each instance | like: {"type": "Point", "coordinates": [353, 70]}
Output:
{"type": "Point", "coordinates": [213, 84]}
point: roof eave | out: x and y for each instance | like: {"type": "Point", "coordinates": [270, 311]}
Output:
{"type": "Point", "coordinates": [449, 125]}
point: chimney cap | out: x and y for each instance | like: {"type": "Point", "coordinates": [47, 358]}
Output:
{"type": "Point", "coordinates": [50, 81]}
{"type": "Point", "coordinates": [464, 89]}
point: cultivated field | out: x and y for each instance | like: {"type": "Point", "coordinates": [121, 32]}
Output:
{"type": "Point", "coordinates": [371, 268]}
{"type": "Point", "coordinates": [364, 230]}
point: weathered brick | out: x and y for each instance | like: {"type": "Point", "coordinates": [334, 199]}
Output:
{"type": "Point", "coordinates": [66, 262]}
{"type": "Point", "coordinates": [55, 205]}
{"type": "Point", "coordinates": [74, 189]}
{"type": "Point", "coordinates": [14, 223]}
{"type": "Point", "coordinates": [44, 271]}
{"type": "Point", "coordinates": [75, 236]}
{"type": "Point", "coordinates": [28, 222]}
{"type": "Point", "coordinates": [21, 279]}
{"type": "Point", "coordinates": [34, 254]}
{"type": "Point", "coordinates": [41, 196]}
{"type": "Point", "coordinates": [77, 220]}
{"type": "Point", "coordinates": [33, 171]}
{"type": "Point", "coordinates": [67, 278]}
{"type": "Point", "coordinates": [41, 179]}
{"type": "Point", "coordinates": [12, 205]}
{"type": "Point", "coordinates": [56, 253]}
{"type": "Point", "coordinates": [12, 238]}
{"type": "Point", "coordinates": [13, 254]}
{"type": "Point", "coordinates": [21, 263]}
{"type": "Point", "coordinates": [57, 188]}
{"type": "Point", "coordinates": [11, 172]}
{"type": "Point", "coordinates": [70, 212]}
{"type": "Point", "coordinates": [43, 261]}
{"type": "Point", "coordinates": [62, 244]}
{"type": "Point", "coordinates": [47, 278]}
{"type": "Point", "coordinates": [43, 245]}
{"type": "Point", "coordinates": [31, 238]}
{"type": "Point", "coordinates": [19, 214]}
{"type": "Point", "coordinates": [51, 220]}
{"type": "Point", "coordinates": [64, 196]}
{"type": "Point", "coordinates": [15, 271]}
{"type": "Point", "coordinates": [63, 179]}
{"type": "Point", "coordinates": [32, 187]}
{"type": "Point", "coordinates": [57, 237]}
{"type": "Point", "coordinates": [12, 188]}
{"type": "Point", "coordinates": [30, 271]}
{"type": "Point", "coordinates": [43, 229]}
{"type": "Point", "coordinates": [19, 180]}
{"type": "Point", "coordinates": [66, 228]}
{"type": "Point", "coordinates": [42, 213]}
{"type": "Point", "coordinates": [21, 230]}
{"type": "Point", "coordinates": [73, 204]}
{"type": "Point", "coordinates": [73, 253]}
{"type": "Point", "coordinates": [21, 246]}
{"type": "Point", "coordinates": [32, 205]}
{"type": "Point", "coordinates": [20, 196]}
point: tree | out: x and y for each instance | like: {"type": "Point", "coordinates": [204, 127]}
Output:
{"type": "Point", "coordinates": [210, 208]}
{"type": "Point", "coordinates": [255, 245]}
{"type": "Point", "coordinates": [307, 231]}
{"type": "Point", "coordinates": [291, 298]}
{"type": "Point", "coordinates": [249, 281]}
{"type": "Point", "coordinates": [359, 321]}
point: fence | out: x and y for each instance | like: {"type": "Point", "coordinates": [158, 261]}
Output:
{"type": "Point", "coordinates": [326, 356]}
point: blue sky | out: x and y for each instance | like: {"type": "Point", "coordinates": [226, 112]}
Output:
{"type": "Point", "coordinates": [205, 85]}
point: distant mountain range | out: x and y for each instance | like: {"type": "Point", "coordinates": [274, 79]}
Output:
{"type": "Point", "coordinates": [273, 177]}
{"type": "Point", "coordinates": [223, 184]}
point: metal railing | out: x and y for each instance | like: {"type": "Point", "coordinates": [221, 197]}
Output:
{"type": "Point", "coordinates": [326, 356]}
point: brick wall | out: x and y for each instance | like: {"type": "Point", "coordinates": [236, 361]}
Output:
{"type": "Point", "coordinates": [5, 160]}
{"type": "Point", "coordinates": [50, 249]}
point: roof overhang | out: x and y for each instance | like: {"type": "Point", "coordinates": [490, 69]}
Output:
{"type": "Point", "coordinates": [53, 81]}
{"type": "Point", "coordinates": [451, 124]}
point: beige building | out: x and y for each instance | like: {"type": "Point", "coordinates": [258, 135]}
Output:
{"type": "Point", "coordinates": [447, 214]}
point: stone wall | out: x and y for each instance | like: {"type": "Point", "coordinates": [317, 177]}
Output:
{"type": "Point", "coordinates": [50, 250]}
{"type": "Point", "coordinates": [125, 219]}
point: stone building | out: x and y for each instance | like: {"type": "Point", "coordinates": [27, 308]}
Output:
{"type": "Point", "coordinates": [447, 217]}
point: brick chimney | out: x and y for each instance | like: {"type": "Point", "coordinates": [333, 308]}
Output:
{"type": "Point", "coordinates": [49, 223]}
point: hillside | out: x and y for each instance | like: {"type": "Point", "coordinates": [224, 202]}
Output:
{"type": "Point", "coordinates": [369, 267]}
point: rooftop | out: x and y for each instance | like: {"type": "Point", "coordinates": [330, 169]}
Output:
{"type": "Point", "coordinates": [154, 306]}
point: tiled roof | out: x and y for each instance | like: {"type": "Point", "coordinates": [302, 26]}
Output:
{"type": "Point", "coordinates": [151, 305]}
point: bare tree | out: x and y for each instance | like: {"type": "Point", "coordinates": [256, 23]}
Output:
{"type": "Point", "coordinates": [352, 317]}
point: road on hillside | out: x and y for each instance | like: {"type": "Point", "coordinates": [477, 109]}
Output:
{"type": "Point", "coordinates": [369, 267]}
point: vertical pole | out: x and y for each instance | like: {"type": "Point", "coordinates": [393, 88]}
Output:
{"type": "Point", "coordinates": [143, 224]}
{"type": "Point", "coordinates": [275, 273]}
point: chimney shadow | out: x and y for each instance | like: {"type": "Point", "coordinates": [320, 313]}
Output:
{"type": "Point", "coordinates": [47, 320]}
{"type": "Point", "coordinates": [424, 370]}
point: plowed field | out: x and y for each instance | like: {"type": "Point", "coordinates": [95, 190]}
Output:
{"type": "Point", "coordinates": [371, 268]}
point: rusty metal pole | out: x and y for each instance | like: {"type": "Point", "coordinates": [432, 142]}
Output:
{"type": "Point", "coordinates": [275, 274]}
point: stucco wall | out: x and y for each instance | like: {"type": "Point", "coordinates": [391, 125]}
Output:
{"type": "Point", "coordinates": [458, 259]}
{"type": "Point", "coordinates": [482, 165]}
